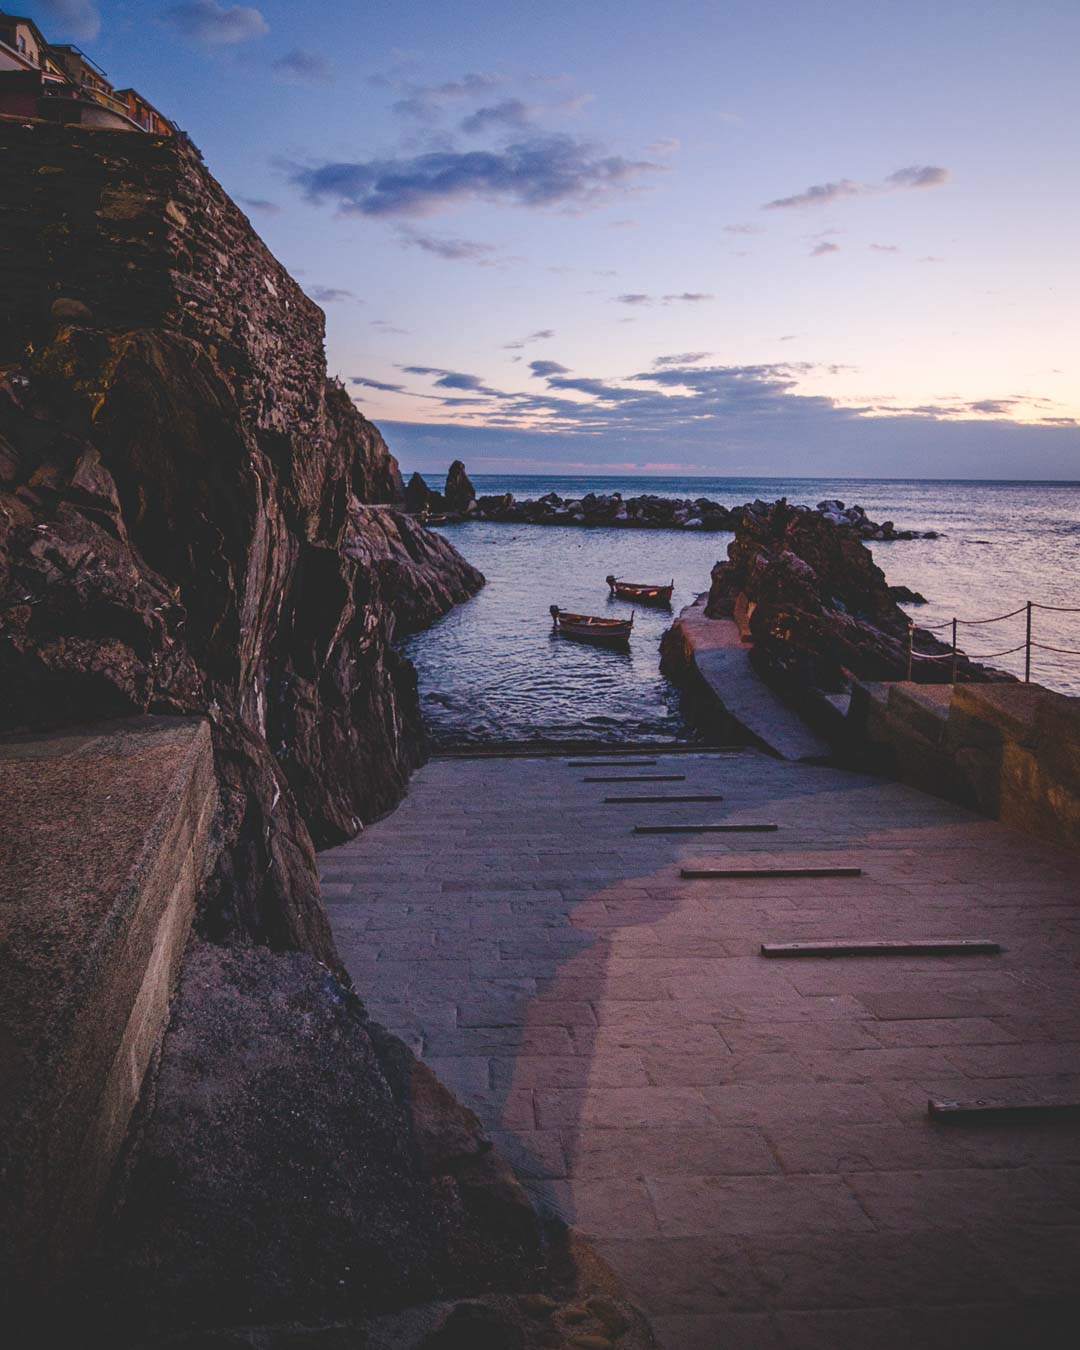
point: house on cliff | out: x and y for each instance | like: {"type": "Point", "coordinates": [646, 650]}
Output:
{"type": "Point", "coordinates": [60, 83]}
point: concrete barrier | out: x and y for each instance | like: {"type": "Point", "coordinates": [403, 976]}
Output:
{"type": "Point", "coordinates": [105, 838]}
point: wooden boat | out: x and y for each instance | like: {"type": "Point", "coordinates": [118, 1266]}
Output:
{"type": "Point", "coordinates": [614, 632]}
{"type": "Point", "coordinates": [639, 590]}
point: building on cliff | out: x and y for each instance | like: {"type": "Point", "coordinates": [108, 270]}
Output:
{"type": "Point", "coordinates": [60, 83]}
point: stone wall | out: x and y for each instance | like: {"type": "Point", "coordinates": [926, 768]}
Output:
{"type": "Point", "coordinates": [1010, 751]}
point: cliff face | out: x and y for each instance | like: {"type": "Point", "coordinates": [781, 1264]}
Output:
{"type": "Point", "coordinates": [177, 480]}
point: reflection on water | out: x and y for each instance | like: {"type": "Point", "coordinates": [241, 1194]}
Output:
{"type": "Point", "coordinates": [493, 669]}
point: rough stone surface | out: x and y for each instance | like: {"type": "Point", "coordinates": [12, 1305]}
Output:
{"type": "Point", "coordinates": [297, 1164]}
{"type": "Point", "coordinates": [106, 834]}
{"type": "Point", "coordinates": [419, 568]}
{"type": "Point", "coordinates": [176, 485]}
{"type": "Point", "coordinates": [817, 607]}
{"type": "Point", "coordinates": [746, 1141]}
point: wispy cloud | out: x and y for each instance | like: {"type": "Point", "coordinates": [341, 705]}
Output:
{"type": "Point", "coordinates": [820, 250]}
{"type": "Point", "coordinates": [330, 295]}
{"type": "Point", "coordinates": [680, 359]}
{"type": "Point", "coordinates": [680, 297]}
{"type": "Point", "coordinates": [381, 385]}
{"type": "Point", "coordinates": [824, 194]}
{"type": "Point", "coordinates": [214, 25]}
{"type": "Point", "coordinates": [666, 145]}
{"type": "Point", "coordinates": [537, 172]}
{"type": "Point", "coordinates": [455, 379]}
{"type": "Point", "coordinates": [510, 113]}
{"type": "Point", "coordinates": [744, 229]}
{"type": "Point", "coordinates": [74, 18]}
{"type": "Point", "coordinates": [301, 66]}
{"type": "Point", "coordinates": [268, 208]}
{"type": "Point", "coordinates": [424, 102]}
{"type": "Point", "coordinates": [442, 246]}
{"type": "Point", "coordinates": [541, 335]}
{"type": "Point", "coordinates": [885, 248]}
{"type": "Point", "coordinates": [543, 369]}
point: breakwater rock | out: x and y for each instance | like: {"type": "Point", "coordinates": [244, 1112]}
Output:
{"type": "Point", "coordinates": [817, 608]}
{"type": "Point", "coordinates": [613, 511]}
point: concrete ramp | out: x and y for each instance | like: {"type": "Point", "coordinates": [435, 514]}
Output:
{"type": "Point", "coordinates": [714, 647]}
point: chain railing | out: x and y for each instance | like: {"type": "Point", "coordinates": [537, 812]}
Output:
{"type": "Point", "coordinates": [953, 655]}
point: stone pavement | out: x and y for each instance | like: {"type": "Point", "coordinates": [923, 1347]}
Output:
{"type": "Point", "coordinates": [746, 1140]}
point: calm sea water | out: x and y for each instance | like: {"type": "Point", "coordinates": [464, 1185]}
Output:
{"type": "Point", "coordinates": [493, 670]}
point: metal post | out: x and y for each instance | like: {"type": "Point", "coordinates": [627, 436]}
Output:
{"type": "Point", "coordinates": [1027, 647]}
{"type": "Point", "coordinates": [954, 651]}
{"type": "Point", "coordinates": [910, 646]}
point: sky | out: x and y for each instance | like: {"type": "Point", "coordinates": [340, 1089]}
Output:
{"type": "Point", "coordinates": [749, 238]}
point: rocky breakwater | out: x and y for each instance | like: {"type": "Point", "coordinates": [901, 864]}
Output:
{"type": "Point", "coordinates": [805, 591]}
{"type": "Point", "coordinates": [194, 520]}
{"type": "Point", "coordinates": [648, 511]}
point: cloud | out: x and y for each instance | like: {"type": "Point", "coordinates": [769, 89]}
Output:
{"type": "Point", "coordinates": [511, 112]}
{"type": "Point", "coordinates": [824, 194]}
{"type": "Point", "coordinates": [666, 145]}
{"type": "Point", "coordinates": [751, 420]}
{"type": "Point", "coordinates": [329, 295]}
{"type": "Point", "coordinates": [918, 176]}
{"type": "Point", "coordinates": [301, 66]}
{"type": "Point", "coordinates": [268, 208]}
{"type": "Point", "coordinates": [537, 172]}
{"type": "Point", "coordinates": [930, 258]}
{"type": "Point", "coordinates": [543, 369]}
{"type": "Point", "coordinates": [378, 384]}
{"type": "Point", "coordinates": [744, 229]}
{"type": "Point", "coordinates": [541, 335]}
{"type": "Point", "coordinates": [424, 101]}
{"type": "Point", "coordinates": [680, 359]}
{"type": "Point", "coordinates": [76, 18]}
{"type": "Point", "coordinates": [385, 326]}
{"type": "Point", "coordinates": [885, 248]}
{"type": "Point", "coordinates": [682, 297]}
{"type": "Point", "coordinates": [454, 379]}
{"type": "Point", "coordinates": [819, 250]}
{"type": "Point", "coordinates": [787, 337]}
{"type": "Point", "coordinates": [213, 25]}
{"type": "Point", "coordinates": [453, 250]}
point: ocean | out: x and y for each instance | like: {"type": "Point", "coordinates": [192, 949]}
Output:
{"type": "Point", "coordinates": [493, 670]}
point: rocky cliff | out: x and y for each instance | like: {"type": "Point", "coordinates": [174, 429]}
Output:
{"type": "Point", "coordinates": [185, 505]}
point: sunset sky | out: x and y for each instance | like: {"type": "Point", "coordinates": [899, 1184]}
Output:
{"type": "Point", "coordinates": [738, 238]}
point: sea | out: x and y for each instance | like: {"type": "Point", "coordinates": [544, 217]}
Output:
{"type": "Point", "coordinates": [493, 670]}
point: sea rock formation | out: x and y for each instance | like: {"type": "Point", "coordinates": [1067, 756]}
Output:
{"type": "Point", "coordinates": [806, 590]}
{"type": "Point", "coordinates": [612, 511]}
{"type": "Point", "coordinates": [459, 492]}
{"type": "Point", "coordinates": [184, 499]}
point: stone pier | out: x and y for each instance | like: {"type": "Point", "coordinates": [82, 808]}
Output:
{"type": "Point", "coordinates": [746, 1140]}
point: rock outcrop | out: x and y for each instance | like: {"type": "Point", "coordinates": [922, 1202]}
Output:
{"type": "Point", "coordinates": [459, 491]}
{"type": "Point", "coordinates": [807, 592]}
{"type": "Point", "coordinates": [180, 511]}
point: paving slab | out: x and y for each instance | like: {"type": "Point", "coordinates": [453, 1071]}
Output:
{"type": "Point", "coordinates": [746, 1140]}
